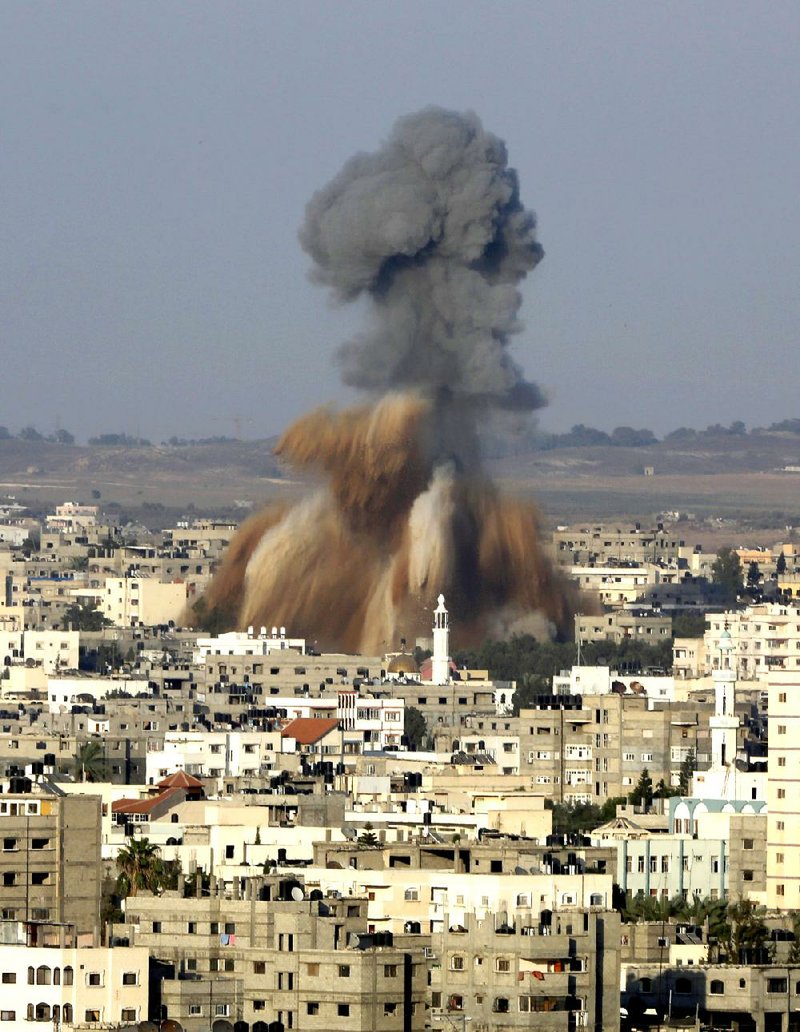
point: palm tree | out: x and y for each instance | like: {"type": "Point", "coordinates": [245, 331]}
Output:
{"type": "Point", "coordinates": [90, 763]}
{"type": "Point", "coordinates": [140, 867]}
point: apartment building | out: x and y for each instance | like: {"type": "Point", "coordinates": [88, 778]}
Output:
{"type": "Point", "coordinates": [589, 748]}
{"type": "Point", "coordinates": [50, 858]}
{"type": "Point", "coordinates": [272, 951]}
{"type": "Point", "coordinates": [70, 986]}
{"type": "Point", "coordinates": [623, 625]}
{"type": "Point", "coordinates": [783, 798]}
{"type": "Point", "coordinates": [560, 970]}
{"type": "Point", "coordinates": [596, 545]}
{"type": "Point", "coordinates": [142, 601]}
{"type": "Point", "coordinates": [765, 638]}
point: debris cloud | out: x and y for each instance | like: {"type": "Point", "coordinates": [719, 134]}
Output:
{"type": "Point", "coordinates": [431, 230]}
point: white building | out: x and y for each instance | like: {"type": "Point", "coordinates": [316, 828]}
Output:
{"type": "Point", "coordinates": [65, 692]}
{"type": "Point", "coordinates": [236, 643]}
{"type": "Point", "coordinates": [69, 988]}
{"type": "Point", "coordinates": [764, 638]}
{"type": "Point", "coordinates": [601, 680]}
{"type": "Point", "coordinates": [52, 650]}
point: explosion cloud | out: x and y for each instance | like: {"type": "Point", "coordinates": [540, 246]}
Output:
{"type": "Point", "coordinates": [431, 230]}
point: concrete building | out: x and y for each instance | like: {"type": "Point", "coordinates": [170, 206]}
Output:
{"type": "Point", "coordinates": [589, 748]}
{"type": "Point", "coordinates": [50, 859]}
{"type": "Point", "coordinates": [623, 625]}
{"type": "Point", "coordinates": [135, 601]}
{"type": "Point", "coordinates": [275, 952]}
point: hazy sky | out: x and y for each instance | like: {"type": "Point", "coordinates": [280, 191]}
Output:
{"type": "Point", "coordinates": [155, 161]}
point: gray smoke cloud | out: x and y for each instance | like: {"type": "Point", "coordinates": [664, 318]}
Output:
{"type": "Point", "coordinates": [430, 228]}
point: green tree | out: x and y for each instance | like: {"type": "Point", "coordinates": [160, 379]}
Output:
{"type": "Point", "coordinates": [780, 564]}
{"type": "Point", "coordinates": [688, 767]}
{"type": "Point", "coordinates": [84, 616]}
{"type": "Point", "coordinates": [642, 794]}
{"type": "Point", "coordinates": [90, 762]}
{"type": "Point", "coordinates": [689, 625]}
{"type": "Point", "coordinates": [726, 571]}
{"type": "Point", "coordinates": [139, 867]}
{"type": "Point", "coordinates": [572, 818]}
{"type": "Point", "coordinates": [753, 575]}
{"type": "Point", "coordinates": [748, 941]}
{"type": "Point", "coordinates": [368, 836]}
{"type": "Point", "coordinates": [414, 728]}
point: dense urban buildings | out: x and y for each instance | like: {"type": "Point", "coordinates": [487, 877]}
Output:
{"type": "Point", "coordinates": [233, 831]}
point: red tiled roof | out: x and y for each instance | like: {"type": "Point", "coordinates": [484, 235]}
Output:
{"type": "Point", "coordinates": [308, 730]}
{"type": "Point", "coordinates": [180, 779]}
{"type": "Point", "coordinates": [143, 805]}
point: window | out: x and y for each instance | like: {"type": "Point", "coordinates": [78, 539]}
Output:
{"type": "Point", "coordinates": [717, 987]}
{"type": "Point", "coordinates": [128, 1014]}
{"type": "Point", "coordinates": [389, 1009]}
{"type": "Point", "coordinates": [43, 975]}
{"type": "Point", "coordinates": [259, 967]}
{"type": "Point", "coordinates": [91, 1015]}
{"type": "Point", "coordinates": [230, 928]}
{"type": "Point", "coordinates": [777, 985]}
{"type": "Point", "coordinates": [130, 978]}
{"type": "Point", "coordinates": [344, 971]}
{"type": "Point", "coordinates": [191, 927]}
{"type": "Point", "coordinates": [8, 1015]}
{"type": "Point", "coordinates": [93, 978]}
{"type": "Point", "coordinates": [222, 1009]}
{"type": "Point", "coordinates": [503, 964]}
{"type": "Point", "coordinates": [9, 977]}
{"type": "Point", "coordinates": [67, 980]}
{"type": "Point", "coordinates": [343, 1010]}
{"type": "Point", "coordinates": [747, 843]}
{"type": "Point", "coordinates": [457, 963]}
{"type": "Point", "coordinates": [156, 926]}
{"type": "Point", "coordinates": [390, 970]}
{"type": "Point", "coordinates": [312, 1007]}
{"type": "Point", "coordinates": [195, 1009]}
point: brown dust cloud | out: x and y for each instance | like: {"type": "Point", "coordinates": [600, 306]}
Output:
{"type": "Point", "coordinates": [430, 230]}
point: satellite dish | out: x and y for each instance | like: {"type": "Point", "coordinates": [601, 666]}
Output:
{"type": "Point", "coordinates": [349, 832]}
{"type": "Point", "coordinates": [297, 894]}
{"type": "Point", "coordinates": [520, 870]}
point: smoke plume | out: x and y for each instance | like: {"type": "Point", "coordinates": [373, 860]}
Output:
{"type": "Point", "coordinates": [430, 229]}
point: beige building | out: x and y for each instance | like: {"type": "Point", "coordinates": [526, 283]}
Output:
{"type": "Point", "coordinates": [783, 792]}
{"type": "Point", "coordinates": [142, 601]}
{"type": "Point", "coordinates": [63, 987]}
{"type": "Point", "coordinates": [621, 625]}
{"type": "Point", "coordinates": [595, 747]}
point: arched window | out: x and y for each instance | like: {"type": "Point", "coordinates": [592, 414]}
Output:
{"type": "Point", "coordinates": [56, 976]}
{"type": "Point", "coordinates": [31, 978]}
{"type": "Point", "coordinates": [717, 987]}
{"type": "Point", "coordinates": [67, 979]}
{"type": "Point", "coordinates": [683, 986]}
{"type": "Point", "coordinates": [67, 1015]}
{"type": "Point", "coordinates": [56, 1013]}
{"type": "Point", "coordinates": [42, 1012]}
{"type": "Point", "coordinates": [646, 985]}
{"type": "Point", "coordinates": [43, 975]}
{"type": "Point", "coordinates": [30, 1012]}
